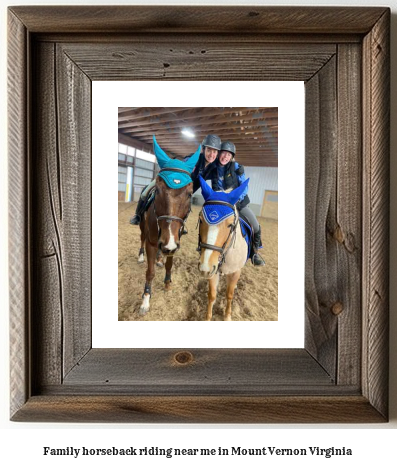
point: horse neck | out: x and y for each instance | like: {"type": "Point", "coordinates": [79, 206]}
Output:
{"type": "Point", "coordinates": [237, 253]}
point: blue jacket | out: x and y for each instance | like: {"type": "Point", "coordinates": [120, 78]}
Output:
{"type": "Point", "coordinates": [231, 176]}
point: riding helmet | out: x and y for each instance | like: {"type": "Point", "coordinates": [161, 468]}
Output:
{"type": "Point", "coordinates": [229, 147]}
{"type": "Point", "coordinates": [213, 141]}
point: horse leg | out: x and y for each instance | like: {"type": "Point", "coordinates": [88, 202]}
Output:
{"type": "Point", "coordinates": [231, 281]}
{"type": "Point", "coordinates": [141, 257]}
{"type": "Point", "coordinates": [151, 256]}
{"type": "Point", "coordinates": [168, 268]}
{"type": "Point", "coordinates": [212, 287]}
{"type": "Point", "coordinates": [159, 259]}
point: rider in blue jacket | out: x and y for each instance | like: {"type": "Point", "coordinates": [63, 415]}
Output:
{"type": "Point", "coordinates": [230, 174]}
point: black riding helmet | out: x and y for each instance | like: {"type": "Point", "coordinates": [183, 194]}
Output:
{"type": "Point", "coordinates": [213, 141]}
{"type": "Point", "coordinates": [229, 147]}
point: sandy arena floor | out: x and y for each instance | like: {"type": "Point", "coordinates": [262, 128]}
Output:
{"type": "Point", "coordinates": [255, 296]}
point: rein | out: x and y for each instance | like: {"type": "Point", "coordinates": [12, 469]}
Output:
{"type": "Point", "coordinates": [232, 235]}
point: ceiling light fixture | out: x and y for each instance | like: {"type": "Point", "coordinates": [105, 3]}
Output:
{"type": "Point", "coordinates": [188, 133]}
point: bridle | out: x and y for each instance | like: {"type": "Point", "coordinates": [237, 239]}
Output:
{"type": "Point", "coordinates": [167, 217]}
{"type": "Point", "coordinates": [231, 236]}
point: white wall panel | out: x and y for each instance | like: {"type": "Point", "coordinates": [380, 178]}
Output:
{"type": "Point", "coordinates": [261, 179]}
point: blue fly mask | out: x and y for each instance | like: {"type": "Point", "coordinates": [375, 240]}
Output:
{"type": "Point", "coordinates": [175, 173]}
{"type": "Point", "coordinates": [217, 207]}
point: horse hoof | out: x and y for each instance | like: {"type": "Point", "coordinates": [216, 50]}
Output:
{"type": "Point", "coordinates": [145, 306]}
{"type": "Point", "coordinates": [160, 264]}
{"type": "Point", "coordinates": [143, 311]}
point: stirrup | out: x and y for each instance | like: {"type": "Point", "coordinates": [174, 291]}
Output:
{"type": "Point", "coordinates": [135, 220]}
{"type": "Point", "coordinates": [257, 260]}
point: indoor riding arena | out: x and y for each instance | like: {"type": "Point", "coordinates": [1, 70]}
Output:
{"type": "Point", "coordinates": [256, 295]}
{"type": "Point", "coordinates": [255, 298]}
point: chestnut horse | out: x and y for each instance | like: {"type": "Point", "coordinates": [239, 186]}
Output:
{"type": "Point", "coordinates": [141, 254]}
{"type": "Point", "coordinates": [222, 246]}
{"type": "Point", "coordinates": [166, 217]}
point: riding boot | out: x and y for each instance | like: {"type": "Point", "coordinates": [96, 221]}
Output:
{"type": "Point", "coordinates": [136, 219]}
{"type": "Point", "coordinates": [257, 260]}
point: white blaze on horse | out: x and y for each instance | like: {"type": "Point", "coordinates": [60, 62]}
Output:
{"type": "Point", "coordinates": [222, 246]}
{"type": "Point", "coordinates": [164, 221]}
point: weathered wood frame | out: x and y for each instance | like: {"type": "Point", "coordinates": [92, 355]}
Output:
{"type": "Point", "coordinates": [343, 56]}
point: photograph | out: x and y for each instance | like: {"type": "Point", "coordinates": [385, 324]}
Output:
{"type": "Point", "coordinates": [79, 256]}
{"type": "Point", "coordinates": [198, 214]}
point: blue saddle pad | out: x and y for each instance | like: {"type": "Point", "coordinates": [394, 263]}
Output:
{"type": "Point", "coordinates": [248, 235]}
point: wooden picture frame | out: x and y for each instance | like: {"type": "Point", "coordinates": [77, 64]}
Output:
{"type": "Point", "coordinates": [342, 54]}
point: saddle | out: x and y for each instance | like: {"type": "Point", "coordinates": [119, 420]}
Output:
{"type": "Point", "coordinates": [148, 200]}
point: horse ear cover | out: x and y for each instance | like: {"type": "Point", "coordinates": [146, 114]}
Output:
{"type": "Point", "coordinates": [173, 178]}
{"type": "Point", "coordinates": [164, 161]}
{"type": "Point", "coordinates": [231, 198]}
{"type": "Point", "coordinates": [192, 161]}
{"type": "Point", "coordinates": [161, 156]}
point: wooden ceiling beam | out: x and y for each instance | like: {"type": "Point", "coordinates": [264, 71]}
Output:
{"type": "Point", "coordinates": [241, 144]}
{"type": "Point", "coordinates": [129, 141]}
{"type": "Point", "coordinates": [147, 113]}
{"type": "Point", "coordinates": [197, 127]}
{"type": "Point", "coordinates": [178, 142]}
{"type": "Point", "coordinates": [200, 130]}
{"type": "Point", "coordinates": [211, 112]}
{"type": "Point", "coordinates": [186, 113]}
{"type": "Point", "coordinates": [197, 123]}
{"type": "Point", "coordinates": [123, 109]}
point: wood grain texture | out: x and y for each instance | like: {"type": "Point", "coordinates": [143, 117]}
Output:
{"type": "Point", "coordinates": [143, 60]}
{"type": "Point", "coordinates": [62, 207]}
{"type": "Point", "coordinates": [194, 38]}
{"type": "Point", "coordinates": [207, 370]}
{"type": "Point", "coordinates": [341, 376]}
{"type": "Point", "coordinates": [18, 212]}
{"type": "Point", "coordinates": [48, 250]}
{"type": "Point", "coordinates": [376, 93]}
{"type": "Point", "coordinates": [321, 264]}
{"type": "Point", "coordinates": [73, 90]}
{"type": "Point", "coordinates": [199, 409]}
{"type": "Point", "coordinates": [347, 225]}
{"type": "Point", "coordinates": [193, 19]}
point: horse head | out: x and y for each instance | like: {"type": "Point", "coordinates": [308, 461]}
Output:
{"type": "Point", "coordinates": [172, 204]}
{"type": "Point", "coordinates": [172, 207]}
{"type": "Point", "coordinates": [218, 224]}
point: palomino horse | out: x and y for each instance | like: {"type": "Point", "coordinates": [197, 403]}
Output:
{"type": "Point", "coordinates": [222, 246]}
{"type": "Point", "coordinates": [166, 216]}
